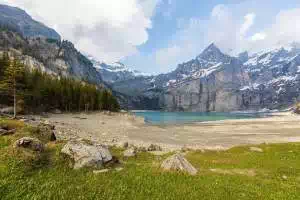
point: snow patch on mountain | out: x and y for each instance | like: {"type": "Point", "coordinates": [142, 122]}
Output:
{"type": "Point", "coordinates": [114, 72]}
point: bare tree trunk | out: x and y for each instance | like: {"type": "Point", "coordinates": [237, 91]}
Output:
{"type": "Point", "coordinates": [15, 104]}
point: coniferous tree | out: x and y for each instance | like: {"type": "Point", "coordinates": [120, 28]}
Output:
{"type": "Point", "coordinates": [44, 92]}
{"type": "Point", "coordinates": [12, 81]}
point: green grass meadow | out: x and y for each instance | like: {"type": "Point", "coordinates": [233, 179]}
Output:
{"type": "Point", "coordinates": [226, 175]}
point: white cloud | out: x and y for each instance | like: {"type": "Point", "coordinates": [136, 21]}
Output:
{"type": "Point", "coordinates": [233, 34]}
{"type": "Point", "coordinates": [258, 36]}
{"type": "Point", "coordinates": [108, 29]}
{"type": "Point", "coordinates": [249, 21]}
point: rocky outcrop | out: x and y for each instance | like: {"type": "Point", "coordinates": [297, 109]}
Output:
{"type": "Point", "coordinates": [52, 57]}
{"type": "Point", "coordinates": [18, 20]}
{"type": "Point", "coordinates": [40, 47]}
{"type": "Point", "coordinates": [87, 155]}
{"type": "Point", "coordinates": [177, 162]}
{"type": "Point", "coordinates": [211, 82]}
{"type": "Point", "coordinates": [214, 81]}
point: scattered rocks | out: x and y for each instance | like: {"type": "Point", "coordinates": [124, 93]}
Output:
{"type": "Point", "coordinates": [154, 147]}
{"type": "Point", "coordinates": [101, 171]}
{"type": "Point", "coordinates": [256, 149]}
{"type": "Point", "coordinates": [30, 143]}
{"type": "Point", "coordinates": [87, 155]}
{"type": "Point", "coordinates": [130, 153]}
{"type": "Point", "coordinates": [142, 149]}
{"type": "Point", "coordinates": [178, 163]}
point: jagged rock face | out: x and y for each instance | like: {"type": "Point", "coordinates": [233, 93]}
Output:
{"type": "Point", "coordinates": [275, 79]}
{"type": "Point", "coordinates": [19, 21]}
{"type": "Point", "coordinates": [213, 87]}
{"type": "Point", "coordinates": [53, 57]}
{"type": "Point", "coordinates": [217, 82]}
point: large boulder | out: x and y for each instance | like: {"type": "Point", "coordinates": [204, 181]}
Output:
{"type": "Point", "coordinates": [87, 155]}
{"type": "Point", "coordinates": [178, 163]}
{"type": "Point", "coordinates": [30, 143]}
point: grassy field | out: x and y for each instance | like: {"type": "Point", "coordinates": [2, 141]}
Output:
{"type": "Point", "coordinates": [234, 174]}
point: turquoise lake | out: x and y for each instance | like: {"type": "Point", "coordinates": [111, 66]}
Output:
{"type": "Point", "coordinates": [156, 117]}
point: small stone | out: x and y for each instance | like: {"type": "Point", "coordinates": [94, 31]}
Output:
{"type": "Point", "coordinates": [29, 143]}
{"type": "Point", "coordinates": [101, 171]}
{"type": "Point", "coordinates": [154, 147]}
{"type": "Point", "coordinates": [256, 149]}
{"type": "Point", "coordinates": [130, 153]}
{"type": "Point", "coordinates": [177, 162]}
{"type": "Point", "coordinates": [284, 177]}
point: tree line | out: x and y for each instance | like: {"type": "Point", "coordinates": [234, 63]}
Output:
{"type": "Point", "coordinates": [35, 91]}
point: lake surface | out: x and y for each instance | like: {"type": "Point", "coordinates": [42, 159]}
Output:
{"type": "Point", "coordinates": [156, 117]}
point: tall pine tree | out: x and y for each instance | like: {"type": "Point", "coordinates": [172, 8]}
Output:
{"type": "Point", "coordinates": [12, 81]}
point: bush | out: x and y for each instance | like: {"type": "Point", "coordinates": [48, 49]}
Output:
{"type": "Point", "coordinates": [297, 108]}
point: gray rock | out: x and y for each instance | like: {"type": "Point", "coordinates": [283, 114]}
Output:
{"type": "Point", "coordinates": [130, 153]}
{"type": "Point", "coordinates": [87, 155]}
{"type": "Point", "coordinates": [154, 147]}
{"type": "Point", "coordinates": [256, 149]}
{"type": "Point", "coordinates": [177, 162]}
{"type": "Point", "coordinates": [29, 143]}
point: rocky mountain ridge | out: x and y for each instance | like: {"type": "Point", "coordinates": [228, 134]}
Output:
{"type": "Point", "coordinates": [16, 19]}
{"type": "Point", "coordinates": [40, 47]}
{"type": "Point", "coordinates": [115, 72]}
{"type": "Point", "coordinates": [214, 81]}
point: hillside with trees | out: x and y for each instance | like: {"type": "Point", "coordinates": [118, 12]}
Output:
{"type": "Point", "coordinates": [31, 90]}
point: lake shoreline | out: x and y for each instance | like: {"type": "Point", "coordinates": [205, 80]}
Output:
{"type": "Point", "coordinates": [117, 128]}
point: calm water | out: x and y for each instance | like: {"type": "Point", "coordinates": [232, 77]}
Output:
{"type": "Point", "coordinates": [154, 117]}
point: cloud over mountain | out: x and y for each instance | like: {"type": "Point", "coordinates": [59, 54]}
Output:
{"type": "Point", "coordinates": [108, 29]}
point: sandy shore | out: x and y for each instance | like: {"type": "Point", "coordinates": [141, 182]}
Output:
{"type": "Point", "coordinates": [121, 127]}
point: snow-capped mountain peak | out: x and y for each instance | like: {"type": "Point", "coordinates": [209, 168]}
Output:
{"type": "Point", "coordinates": [117, 71]}
{"type": "Point", "coordinates": [213, 55]}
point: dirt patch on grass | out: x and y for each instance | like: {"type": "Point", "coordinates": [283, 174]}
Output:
{"type": "Point", "coordinates": [244, 172]}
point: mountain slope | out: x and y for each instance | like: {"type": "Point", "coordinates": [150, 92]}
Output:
{"type": "Point", "coordinates": [275, 78]}
{"type": "Point", "coordinates": [115, 72]}
{"type": "Point", "coordinates": [214, 81]}
{"type": "Point", "coordinates": [18, 20]}
{"type": "Point", "coordinates": [40, 47]}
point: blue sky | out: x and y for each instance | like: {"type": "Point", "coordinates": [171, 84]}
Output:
{"type": "Point", "coordinates": [166, 33]}
{"type": "Point", "coordinates": [154, 36]}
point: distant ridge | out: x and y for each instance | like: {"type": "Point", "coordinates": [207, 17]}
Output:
{"type": "Point", "coordinates": [16, 19]}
